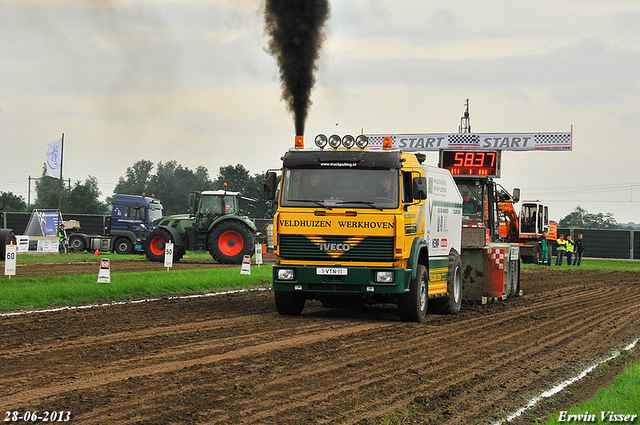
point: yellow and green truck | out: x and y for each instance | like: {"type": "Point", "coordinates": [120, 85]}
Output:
{"type": "Point", "coordinates": [356, 226]}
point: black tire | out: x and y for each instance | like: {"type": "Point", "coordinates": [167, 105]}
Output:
{"type": "Point", "coordinates": [451, 304]}
{"type": "Point", "coordinates": [289, 303]}
{"type": "Point", "coordinates": [155, 243]}
{"type": "Point", "coordinates": [230, 241]}
{"type": "Point", "coordinates": [77, 243]}
{"type": "Point", "coordinates": [412, 305]}
{"type": "Point", "coordinates": [123, 246]}
{"type": "Point", "coordinates": [8, 238]}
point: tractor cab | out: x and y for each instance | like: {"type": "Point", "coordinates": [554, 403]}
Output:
{"type": "Point", "coordinates": [207, 206]}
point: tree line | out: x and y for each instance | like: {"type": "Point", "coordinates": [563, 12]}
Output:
{"type": "Point", "coordinates": [169, 182]}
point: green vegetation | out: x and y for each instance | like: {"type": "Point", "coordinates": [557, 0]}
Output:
{"type": "Point", "coordinates": [622, 399]}
{"type": "Point", "coordinates": [589, 264]}
{"type": "Point", "coordinates": [40, 292]}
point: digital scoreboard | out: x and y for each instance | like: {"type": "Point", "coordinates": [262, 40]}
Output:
{"type": "Point", "coordinates": [471, 163]}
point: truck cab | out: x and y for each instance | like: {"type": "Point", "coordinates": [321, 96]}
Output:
{"type": "Point", "coordinates": [357, 226]}
{"type": "Point", "coordinates": [132, 219]}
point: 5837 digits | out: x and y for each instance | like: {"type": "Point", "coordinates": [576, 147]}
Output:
{"type": "Point", "coordinates": [46, 416]}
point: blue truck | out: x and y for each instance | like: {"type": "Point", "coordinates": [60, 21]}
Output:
{"type": "Point", "coordinates": [132, 219]}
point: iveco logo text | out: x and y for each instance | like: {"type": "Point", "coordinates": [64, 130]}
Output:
{"type": "Point", "coordinates": [344, 247]}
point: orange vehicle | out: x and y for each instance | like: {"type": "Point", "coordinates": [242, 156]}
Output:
{"type": "Point", "coordinates": [526, 228]}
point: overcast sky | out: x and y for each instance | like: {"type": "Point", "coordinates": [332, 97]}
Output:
{"type": "Point", "coordinates": [190, 80]}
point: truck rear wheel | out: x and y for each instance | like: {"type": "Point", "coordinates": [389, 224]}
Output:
{"type": "Point", "coordinates": [412, 305]}
{"type": "Point", "coordinates": [156, 243]}
{"type": "Point", "coordinates": [451, 304]}
{"type": "Point", "coordinates": [289, 303]}
{"type": "Point", "coordinates": [76, 243]}
{"type": "Point", "coordinates": [230, 241]}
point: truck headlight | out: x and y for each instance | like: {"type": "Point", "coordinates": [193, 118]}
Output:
{"type": "Point", "coordinates": [348, 141]}
{"type": "Point", "coordinates": [362, 141]}
{"type": "Point", "coordinates": [321, 141]}
{"type": "Point", "coordinates": [334, 141]}
{"type": "Point", "coordinates": [384, 276]}
{"type": "Point", "coordinates": [285, 274]}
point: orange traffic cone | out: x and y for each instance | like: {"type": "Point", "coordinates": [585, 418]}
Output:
{"type": "Point", "coordinates": [95, 254]}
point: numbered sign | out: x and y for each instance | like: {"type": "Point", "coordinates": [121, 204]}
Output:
{"type": "Point", "coordinates": [168, 255]}
{"type": "Point", "coordinates": [258, 253]}
{"type": "Point", "coordinates": [10, 260]}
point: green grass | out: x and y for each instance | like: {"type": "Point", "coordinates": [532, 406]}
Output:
{"type": "Point", "coordinates": [20, 293]}
{"type": "Point", "coordinates": [621, 398]}
{"type": "Point", "coordinates": [592, 264]}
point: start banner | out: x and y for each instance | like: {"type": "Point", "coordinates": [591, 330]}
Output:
{"type": "Point", "coordinates": [490, 141]}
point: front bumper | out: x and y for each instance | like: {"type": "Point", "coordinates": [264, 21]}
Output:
{"type": "Point", "coordinates": [356, 280]}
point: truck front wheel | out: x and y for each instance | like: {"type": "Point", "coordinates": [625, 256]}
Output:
{"type": "Point", "coordinates": [289, 303]}
{"type": "Point", "coordinates": [412, 305]}
{"type": "Point", "coordinates": [230, 241]}
{"type": "Point", "coordinates": [451, 303]}
{"type": "Point", "coordinates": [123, 246]}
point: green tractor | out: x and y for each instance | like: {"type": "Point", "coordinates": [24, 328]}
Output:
{"type": "Point", "coordinates": [214, 224]}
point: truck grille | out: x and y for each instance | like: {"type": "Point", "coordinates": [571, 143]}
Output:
{"type": "Point", "coordinates": [371, 248]}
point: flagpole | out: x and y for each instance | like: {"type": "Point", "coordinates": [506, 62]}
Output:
{"type": "Point", "coordinates": [60, 192]}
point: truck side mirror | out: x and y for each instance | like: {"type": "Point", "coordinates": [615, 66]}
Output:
{"type": "Point", "coordinates": [419, 188]}
{"type": "Point", "coordinates": [516, 195]}
{"type": "Point", "coordinates": [269, 185]}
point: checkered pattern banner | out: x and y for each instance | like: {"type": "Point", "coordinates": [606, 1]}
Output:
{"type": "Point", "coordinates": [492, 141]}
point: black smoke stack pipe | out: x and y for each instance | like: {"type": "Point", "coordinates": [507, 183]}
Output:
{"type": "Point", "coordinates": [296, 28]}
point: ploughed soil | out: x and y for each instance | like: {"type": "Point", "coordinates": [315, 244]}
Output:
{"type": "Point", "coordinates": [231, 359]}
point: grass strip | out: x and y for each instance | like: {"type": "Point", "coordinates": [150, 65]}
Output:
{"type": "Point", "coordinates": [594, 264]}
{"type": "Point", "coordinates": [615, 404]}
{"type": "Point", "coordinates": [52, 291]}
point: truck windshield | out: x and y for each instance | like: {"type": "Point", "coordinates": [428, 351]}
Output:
{"type": "Point", "coordinates": [340, 188]}
{"type": "Point", "coordinates": [155, 212]}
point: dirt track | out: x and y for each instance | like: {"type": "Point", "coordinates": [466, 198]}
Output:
{"type": "Point", "coordinates": [232, 359]}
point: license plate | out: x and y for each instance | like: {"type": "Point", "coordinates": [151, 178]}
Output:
{"type": "Point", "coordinates": [331, 271]}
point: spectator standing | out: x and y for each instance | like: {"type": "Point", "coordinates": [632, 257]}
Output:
{"type": "Point", "coordinates": [562, 246]}
{"type": "Point", "coordinates": [569, 250]}
{"type": "Point", "coordinates": [579, 251]}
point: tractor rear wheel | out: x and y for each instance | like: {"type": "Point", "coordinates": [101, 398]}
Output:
{"type": "Point", "coordinates": [230, 241]}
{"type": "Point", "coordinates": [7, 237]}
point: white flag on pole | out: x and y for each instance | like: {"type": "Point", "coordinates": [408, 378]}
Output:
{"type": "Point", "coordinates": [54, 158]}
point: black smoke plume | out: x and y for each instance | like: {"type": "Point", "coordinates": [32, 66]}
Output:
{"type": "Point", "coordinates": [297, 33]}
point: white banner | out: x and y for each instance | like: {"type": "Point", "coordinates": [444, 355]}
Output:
{"type": "Point", "coordinates": [490, 141]}
{"type": "Point", "coordinates": [54, 159]}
